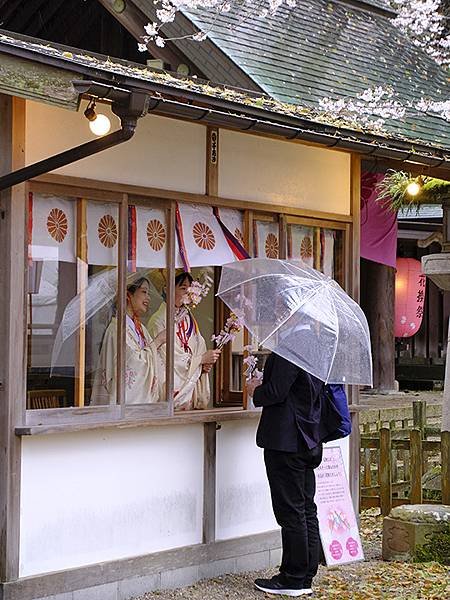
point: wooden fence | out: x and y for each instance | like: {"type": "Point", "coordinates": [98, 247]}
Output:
{"type": "Point", "coordinates": [393, 461]}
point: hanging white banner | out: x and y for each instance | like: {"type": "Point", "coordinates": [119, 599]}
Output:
{"type": "Point", "coordinates": [301, 243]}
{"type": "Point", "coordinates": [327, 247]}
{"type": "Point", "coordinates": [233, 219]}
{"type": "Point", "coordinates": [102, 233]}
{"type": "Point", "coordinates": [53, 228]}
{"type": "Point", "coordinates": [151, 237]}
{"type": "Point", "coordinates": [266, 244]}
{"type": "Point", "coordinates": [204, 240]}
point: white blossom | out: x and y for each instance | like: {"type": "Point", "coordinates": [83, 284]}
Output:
{"type": "Point", "coordinates": [441, 109]}
{"type": "Point", "coordinates": [372, 102]}
{"type": "Point", "coordinates": [423, 21]}
{"type": "Point", "coordinates": [151, 29]}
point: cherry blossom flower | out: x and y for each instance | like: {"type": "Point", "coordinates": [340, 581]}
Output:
{"type": "Point", "coordinates": [197, 291]}
{"type": "Point", "coordinates": [233, 325]}
{"type": "Point", "coordinates": [424, 23]}
{"type": "Point", "coordinates": [251, 364]}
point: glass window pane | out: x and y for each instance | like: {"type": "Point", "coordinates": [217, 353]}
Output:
{"type": "Point", "coordinates": [266, 242]}
{"type": "Point", "coordinates": [300, 243]}
{"type": "Point", "coordinates": [71, 295]}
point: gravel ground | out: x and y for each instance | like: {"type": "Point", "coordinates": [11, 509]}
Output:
{"type": "Point", "coordinates": [372, 579]}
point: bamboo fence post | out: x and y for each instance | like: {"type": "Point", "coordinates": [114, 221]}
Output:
{"type": "Point", "coordinates": [420, 416]}
{"type": "Point", "coordinates": [415, 437]}
{"type": "Point", "coordinates": [445, 469]}
{"type": "Point", "coordinates": [367, 475]}
{"type": "Point", "coordinates": [385, 472]}
{"type": "Point", "coordinates": [394, 455]}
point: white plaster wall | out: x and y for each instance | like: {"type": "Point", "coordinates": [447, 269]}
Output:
{"type": "Point", "coordinates": [94, 496]}
{"type": "Point", "coordinates": [281, 173]}
{"type": "Point", "coordinates": [164, 153]}
{"type": "Point", "coordinates": [243, 503]}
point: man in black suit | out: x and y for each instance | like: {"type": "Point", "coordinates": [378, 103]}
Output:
{"type": "Point", "coordinates": [295, 419]}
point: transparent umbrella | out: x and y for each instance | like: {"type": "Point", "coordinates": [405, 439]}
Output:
{"type": "Point", "coordinates": [99, 294]}
{"type": "Point", "coordinates": [302, 315]}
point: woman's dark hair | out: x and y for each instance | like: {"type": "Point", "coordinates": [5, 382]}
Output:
{"type": "Point", "coordinates": [181, 277]}
{"type": "Point", "coordinates": [137, 284]}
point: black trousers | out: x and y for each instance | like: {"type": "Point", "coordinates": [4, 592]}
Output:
{"type": "Point", "coordinates": [292, 487]}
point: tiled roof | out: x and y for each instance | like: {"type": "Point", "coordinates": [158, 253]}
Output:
{"type": "Point", "coordinates": [335, 49]}
{"type": "Point", "coordinates": [425, 211]}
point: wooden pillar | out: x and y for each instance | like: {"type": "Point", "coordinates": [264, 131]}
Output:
{"type": "Point", "coordinates": [209, 429]}
{"type": "Point", "coordinates": [378, 304]}
{"type": "Point", "coordinates": [82, 281]}
{"type": "Point", "coordinates": [353, 288]}
{"type": "Point", "coordinates": [209, 482]}
{"type": "Point", "coordinates": [12, 330]}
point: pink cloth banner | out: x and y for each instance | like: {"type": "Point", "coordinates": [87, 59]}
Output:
{"type": "Point", "coordinates": [378, 224]}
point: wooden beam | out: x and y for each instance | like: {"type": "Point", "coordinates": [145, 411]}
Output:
{"type": "Point", "coordinates": [212, 161]}
{"type": "Point", "coordinates": [134, 20]}
{"type": "Point", "coordinates": [13, 329]}
{"type": "Point", "coordinates": [95, 189]}
{"type": "Point", "coordinates": [353, 289]}
{"type": "Point", "coordinates": [82, 281]}
{"type": "Point", "coordinates": [79, 578]}
{"type": "Point", "coordinates": [21, 77]}
{"type": "Point", "coordinates": [248, 241]}
{"type": "Point", "coordinates": [209, 482]}
{"type": "Point", "coordinates": [378, 303]}
{"type": "Point", "coordinates": [170, 307]}
{"type": "Point", "coordinates": [122, 258]}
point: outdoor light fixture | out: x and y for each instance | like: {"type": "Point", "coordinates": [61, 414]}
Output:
{"type": "Point", "coordinates": [414, 187]}
{"type": "Point", "coordinates": [99, 124]}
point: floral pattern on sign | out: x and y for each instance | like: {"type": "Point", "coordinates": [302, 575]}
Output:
{"type": "Point", "coordinates": [156, 234]}
{"type": "Point", "coordinates": [271, 246]}
{"type": "Point", "coordinates": [203, 236]}
{"type": "Point", "coordinates": [306, 248]}
{"type": "Point", "coordinates": [107, 231]}
{"type": "Point", "coordinates": [57, 225]}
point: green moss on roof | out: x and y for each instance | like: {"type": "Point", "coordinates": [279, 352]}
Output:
{"type": "Point", "coordinates": [331, 49]}
{"type": "Point", "coordinates": [268, 103]}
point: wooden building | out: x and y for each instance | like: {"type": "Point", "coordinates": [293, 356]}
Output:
{"type": "Point", "coordinates": [111, 501]}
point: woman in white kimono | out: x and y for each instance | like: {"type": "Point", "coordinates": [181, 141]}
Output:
{"type": "Point", "coordinates": [143, 382]}
{"type": "Point", "coordinates": [192, 360]}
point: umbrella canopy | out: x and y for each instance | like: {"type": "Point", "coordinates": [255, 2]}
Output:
{"type": "Point", "coordinates": [302, 315]}
{"type": "Point", "coordinates": [98, 295]}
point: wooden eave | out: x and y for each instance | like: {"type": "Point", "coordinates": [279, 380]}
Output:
{"type": "Point", "coordinates": [220, 106]}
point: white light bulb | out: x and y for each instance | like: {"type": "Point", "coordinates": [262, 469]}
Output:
{"type": "Point", "coordinates": [413, 188]}
{"type": "Point", "coordinates": [100, 125]}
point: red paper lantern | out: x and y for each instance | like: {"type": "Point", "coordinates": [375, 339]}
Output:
{"type": "Point", "coordinates": [410, 286]}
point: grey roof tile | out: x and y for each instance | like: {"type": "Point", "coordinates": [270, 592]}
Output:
{"type": "Point", "coordinates": [328, 48]}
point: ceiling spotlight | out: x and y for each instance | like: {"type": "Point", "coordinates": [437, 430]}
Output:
{"type": "Point", "coordinates": [99, 124]}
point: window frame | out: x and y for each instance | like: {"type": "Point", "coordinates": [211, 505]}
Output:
{"type": "Point", "coordinates": [124, 195]}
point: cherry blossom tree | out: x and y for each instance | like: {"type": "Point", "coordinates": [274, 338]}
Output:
{"type": "Point", "coordinates": [424, 22]}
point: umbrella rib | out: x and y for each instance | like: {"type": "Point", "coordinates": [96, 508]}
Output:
{"type": "Point", "coordinates": [337, 340]}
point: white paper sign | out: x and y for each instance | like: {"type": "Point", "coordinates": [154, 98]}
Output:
{"type": "Point", "coordinates": [337, 521]}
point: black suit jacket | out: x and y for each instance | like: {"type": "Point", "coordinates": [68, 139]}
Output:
{"type": "Point", "coordinates": [295, 411]}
